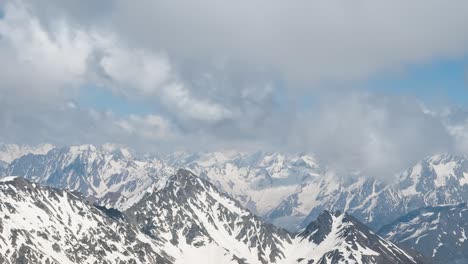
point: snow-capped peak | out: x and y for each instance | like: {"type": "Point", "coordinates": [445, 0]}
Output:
{"type": "Point", "coordinates": [340, 238]}
{"type": "Point", "coordinates": [197, 219]}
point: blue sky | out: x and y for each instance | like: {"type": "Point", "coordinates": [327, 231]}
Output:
{"type": "Point", "coordinates": [440, 81]}
{"type": "Point", "coordinates": [103, 99]}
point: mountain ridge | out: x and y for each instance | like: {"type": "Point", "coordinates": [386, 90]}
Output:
{"type": "Point", "coordinates": [295, 187]}
{"type": "Point", "coordinates": [40, 224]}
{"type": "Point", "coordinates": [195, 220]}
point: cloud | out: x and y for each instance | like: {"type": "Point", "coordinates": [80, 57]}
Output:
{"type": "Point", "coordinates": [129, 69]}
{"type": "Point", "coordinates": [68, 56]}
{"type": "Point", "coordinates": [243, 74]}
{"type": "Point", "coordinates": [50, 63]}
{"type": "Point", "coordinates": [66, 124]}
{"type": "Point", "coordinates": [373, 135]}
{"type": "Point", "coordinates": [136, 72]}
{"type": "Point", "coordinates": [176, 95]}
{"type": "Point", "coordinates": [39, 63]}
{"type": "Point", "coordinates": [304, 40]}
{"type": "Point", "coordinates": [149, 127]}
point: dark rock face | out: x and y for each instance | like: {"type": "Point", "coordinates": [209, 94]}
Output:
{"type": "Point", "coordinates": [438, 232]}
{"type": "Point", "coordinates": [317, 230]}
{"type": "Point", "coordinates": [111, 212]}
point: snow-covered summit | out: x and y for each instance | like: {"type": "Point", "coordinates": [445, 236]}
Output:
{"type": "Point", "coordinates": [340, 238]}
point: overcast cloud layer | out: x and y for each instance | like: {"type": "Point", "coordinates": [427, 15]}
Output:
{"type": "Point", "coordinates": [231, 75]}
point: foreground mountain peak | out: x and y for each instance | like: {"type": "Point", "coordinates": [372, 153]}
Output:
{"type": "Point", "coordinates": [183, 175]}
{"type": "Point", "coordinates": [196, 218]}
{"type": "Point", "coordinates": [317, 230]}
{"type": "Point", "coordinates": [186, 185]}
{"type": "Point", "coordinates": [340, 238]}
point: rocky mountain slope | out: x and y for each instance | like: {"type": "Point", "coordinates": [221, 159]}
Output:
{"type": "Point", "coordinates": [340, 238]}
{"type": "Point", "coordinates": [46, 225]}
{"type": "Point", "coordinates": [202, 222]}
{"type": "Point", "coordinates": [439, 232]}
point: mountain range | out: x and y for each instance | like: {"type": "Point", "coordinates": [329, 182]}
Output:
{"type": "Point", "coordinates": [187, 220]}
{"type": "Point", "coordinates": [287, 190]}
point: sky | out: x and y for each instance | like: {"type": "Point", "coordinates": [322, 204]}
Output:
{"type": "Point", "coordinates": [369, 85]}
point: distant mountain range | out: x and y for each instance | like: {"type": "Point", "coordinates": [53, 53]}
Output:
{"type": "Point", "coordinates": [187, 220]}
{"type": "Point", "coordinates": [118, 178]}
{"type": "Point", "coordinates": [288, 190]}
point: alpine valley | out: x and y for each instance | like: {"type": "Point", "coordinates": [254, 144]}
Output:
{"type": "Point", "coordinates": [108, 204]}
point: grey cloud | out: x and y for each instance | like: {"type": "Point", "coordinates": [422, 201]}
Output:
{"type": "Point", "coordinates": [230, 75]}
{"type": "Point", "coordinates": [377, 136]}
{"type": "Point", "coordinates": [304, 40]}
{"type": "Point", "coordinates": [39, 64]}
{"type": "Point", "coordinates": [65, 124]}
